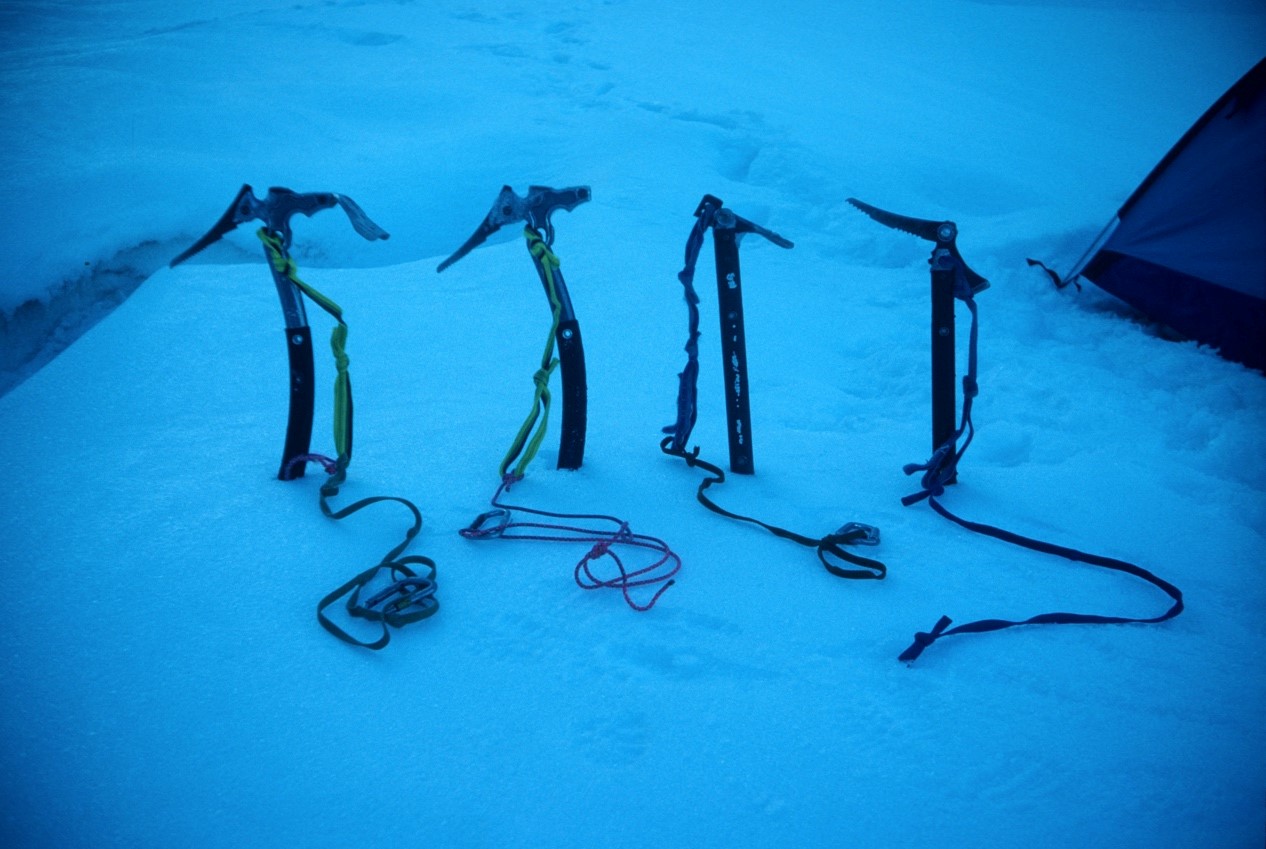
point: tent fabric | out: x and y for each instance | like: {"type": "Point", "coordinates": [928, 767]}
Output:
{"type": "Point", "coordinates": [1188, 248]}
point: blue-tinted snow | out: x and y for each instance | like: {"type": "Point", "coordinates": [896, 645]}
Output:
{"type": "Point", "coordinates": [166, 683]}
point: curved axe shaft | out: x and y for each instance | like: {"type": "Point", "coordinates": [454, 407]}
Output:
{"type": "Point", "coordinates": [535, 210]}
{"type": "Point", "coordinates": [275, 210]}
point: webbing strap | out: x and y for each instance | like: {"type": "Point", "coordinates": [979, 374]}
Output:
{"type": "Point", "coordinates": [408, 597]}
{"type": "Point", "coordinates": [924, 639]}
{"type": "Point", "coordinates": [829, 547]}
{"type": "Point", "coordinates": [526, 443]}
{"type": "Point", "coordinates": [398, 603]}
{"type": "Point", "coordinates": [943, 467]}
{"type": "Point", "coordinates": [688, 379]}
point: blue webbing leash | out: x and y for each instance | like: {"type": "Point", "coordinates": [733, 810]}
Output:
{"type": "Point", "coordinates": [829, 548]}
{"type": "Point", "coordinates": [943, 467]}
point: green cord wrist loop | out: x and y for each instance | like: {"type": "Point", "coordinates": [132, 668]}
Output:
{"type": "Point", "coordinates": [523, 447]}
{"type": "Point", "coordinates": [285, 266]}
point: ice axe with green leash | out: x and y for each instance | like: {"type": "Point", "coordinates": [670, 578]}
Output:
{"type": "Point", "coordinates": [275, 210]}
{"type": "Point", "coordinates": [399, 589]}
{"type": "Point", "coordinates": [534, 211]}
{"type": "Point", "coordinates": [640, 566]}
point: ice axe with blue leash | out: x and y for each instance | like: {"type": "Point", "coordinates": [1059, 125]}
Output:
{"type": "Point", "coordinates": [953, 280]}
{"type": "Point", "coordinates": [275, 210]}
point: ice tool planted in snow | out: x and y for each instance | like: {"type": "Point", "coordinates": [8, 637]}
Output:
{"type": "Point", "coordinates": [534, 211]}
{"type": "Point", "coordinates": [274, 211]}
{"type": "Point", "coordinates": [952, 278]}
{"type": "Point", "coordinates": [607, 535]}
{"type": "Point", "coordinates": [406, 596]}
{"type": "Point", "coordinates": [727, 229]}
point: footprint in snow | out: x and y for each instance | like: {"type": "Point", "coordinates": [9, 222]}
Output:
{"type": "Point", "coordinates": [619, 736]}
{"type": "Point", "coordinates": [369, 39]}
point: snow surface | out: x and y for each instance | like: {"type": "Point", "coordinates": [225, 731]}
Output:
{"type": "Point", "coordinates": [166, 683]}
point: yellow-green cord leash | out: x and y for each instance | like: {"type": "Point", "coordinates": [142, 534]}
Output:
{"type": "Point", "coordinates": [522, 447]}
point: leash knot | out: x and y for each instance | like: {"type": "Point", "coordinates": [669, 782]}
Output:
{"type": "Point", "coordinates": [539, 250]}
{"type": "Point", "coordinates": [923, 639]}
{"type": "Point", "coordinates": [603, 546]}
{"type": "Point", "coordinates": [542, 376]}
{"type": "Point", "coordinates": [936, 472]}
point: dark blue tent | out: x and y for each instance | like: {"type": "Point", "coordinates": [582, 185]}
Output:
{"type": "Point", "coordinates": [1188, 248]}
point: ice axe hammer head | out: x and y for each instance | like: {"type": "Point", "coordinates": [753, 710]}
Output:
{"type": "Point", "coordinates": [275, 210]}
{"type": "Point", "coordinates": [534, 209]}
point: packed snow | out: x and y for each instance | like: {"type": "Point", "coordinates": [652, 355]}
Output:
{"type": "Point", "coordinates": [167, 683]}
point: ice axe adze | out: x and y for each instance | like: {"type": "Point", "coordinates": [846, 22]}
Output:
{"type": "Point", "coordinates": [534, 211]}
{"type": "Point", "coordinates": [275, 211]}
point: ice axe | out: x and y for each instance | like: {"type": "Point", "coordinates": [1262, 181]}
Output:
{"type": "Point", "coordinates": [951, 278]}
{"type": "Point", "coordinates": [275, 211]}
{"type": "Point", "coordinates": [727, 231]}
{"type": "Point", "coordinates": [534, 211]}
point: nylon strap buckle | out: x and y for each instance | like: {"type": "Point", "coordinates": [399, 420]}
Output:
{"type": "Point", "coordinates": [857, 533]}
{"type": "Point", "coordinates": [392, 604]}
